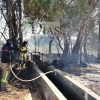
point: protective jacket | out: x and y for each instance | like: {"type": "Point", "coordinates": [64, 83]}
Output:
{"type": "Point", "coordinates": [23, 49]}
{"type": "Point", "coordinates": [7, 54]}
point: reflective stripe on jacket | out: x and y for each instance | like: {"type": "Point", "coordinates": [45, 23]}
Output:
{"type": "Point", "coordinates": [6, 51]}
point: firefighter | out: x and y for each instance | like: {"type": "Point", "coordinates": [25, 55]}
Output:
{"type": "Point", "coordinates": [6, 58]}
{"type": "Point", "coordinates": [23, 56]}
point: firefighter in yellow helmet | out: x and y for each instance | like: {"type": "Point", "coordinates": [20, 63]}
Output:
{"type": "Point", "coordinates": [23, 57]}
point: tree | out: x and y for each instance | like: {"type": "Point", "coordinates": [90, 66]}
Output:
{"type": "Point", "coordinates": [85, 8]}
{"type": "Point", "coordinates": [48, 10]}
{"type": "Point", "coordinates": [11, 13]}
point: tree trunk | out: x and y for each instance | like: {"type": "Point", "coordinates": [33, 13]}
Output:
{"type": "Point", "coordinates": [50, 43]}
{"type": "Point", "coordinates": [21, 16]}
{"type": "Point", "coordinates": [99, 45]}
{"type": "Point", "coordinates": [65, 57]}
{"type": "Point", "coordinates": [85, 51]}
{"type": "Point", "coordinates": [9, 16]}
{"type": "Point", "coordinates": [75, 51]}
{"type": "Point", "coordinates": [12, 20]}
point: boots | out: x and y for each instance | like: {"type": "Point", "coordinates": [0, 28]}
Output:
{"type": "Point", "coordinates": [24, 64]}
{"type": "Point", "coordinates": [3, 87]}
{"type": "Point", "coordinates": [19, 67]}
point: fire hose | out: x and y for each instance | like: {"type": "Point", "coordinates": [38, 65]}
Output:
{"type": "Point", "coordinates": [30, 79]}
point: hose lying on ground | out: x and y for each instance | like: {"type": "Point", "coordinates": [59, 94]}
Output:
{"type": "Point", "coordinates": [30, 79]}
{"type": "Point", "coordinates": [16, 75]}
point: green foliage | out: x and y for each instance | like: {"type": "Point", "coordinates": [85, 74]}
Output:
{"type": "Point", "coordinates": [50, 10]}
{"type": "Point", "coordinates": [58, 10]}
{"type": "Point", "coordinates": [79, 8]}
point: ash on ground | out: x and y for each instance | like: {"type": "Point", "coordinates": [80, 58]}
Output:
{"type": "Point", "coordinates": [88, 76]}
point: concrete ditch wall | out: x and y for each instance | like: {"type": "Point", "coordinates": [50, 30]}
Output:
{"type": "Point", "coordinates": [46, 87]}
{"type": "Point", "coordinates": [77, 90]}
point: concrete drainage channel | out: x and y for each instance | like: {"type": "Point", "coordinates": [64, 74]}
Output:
{"type": "Point", "coordinates": [46, 88]}
{"type": "Point", "coordinates": [50, 90]}
{"type": "Point", "coordinates": [61, 87]}
{"type": "Point", "coordinates": [70, 88]}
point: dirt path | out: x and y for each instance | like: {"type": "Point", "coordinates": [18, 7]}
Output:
{"type": "Point", "coordinates": [16, 95]}
{"type": "Point", "coordinates": [23, 94]}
